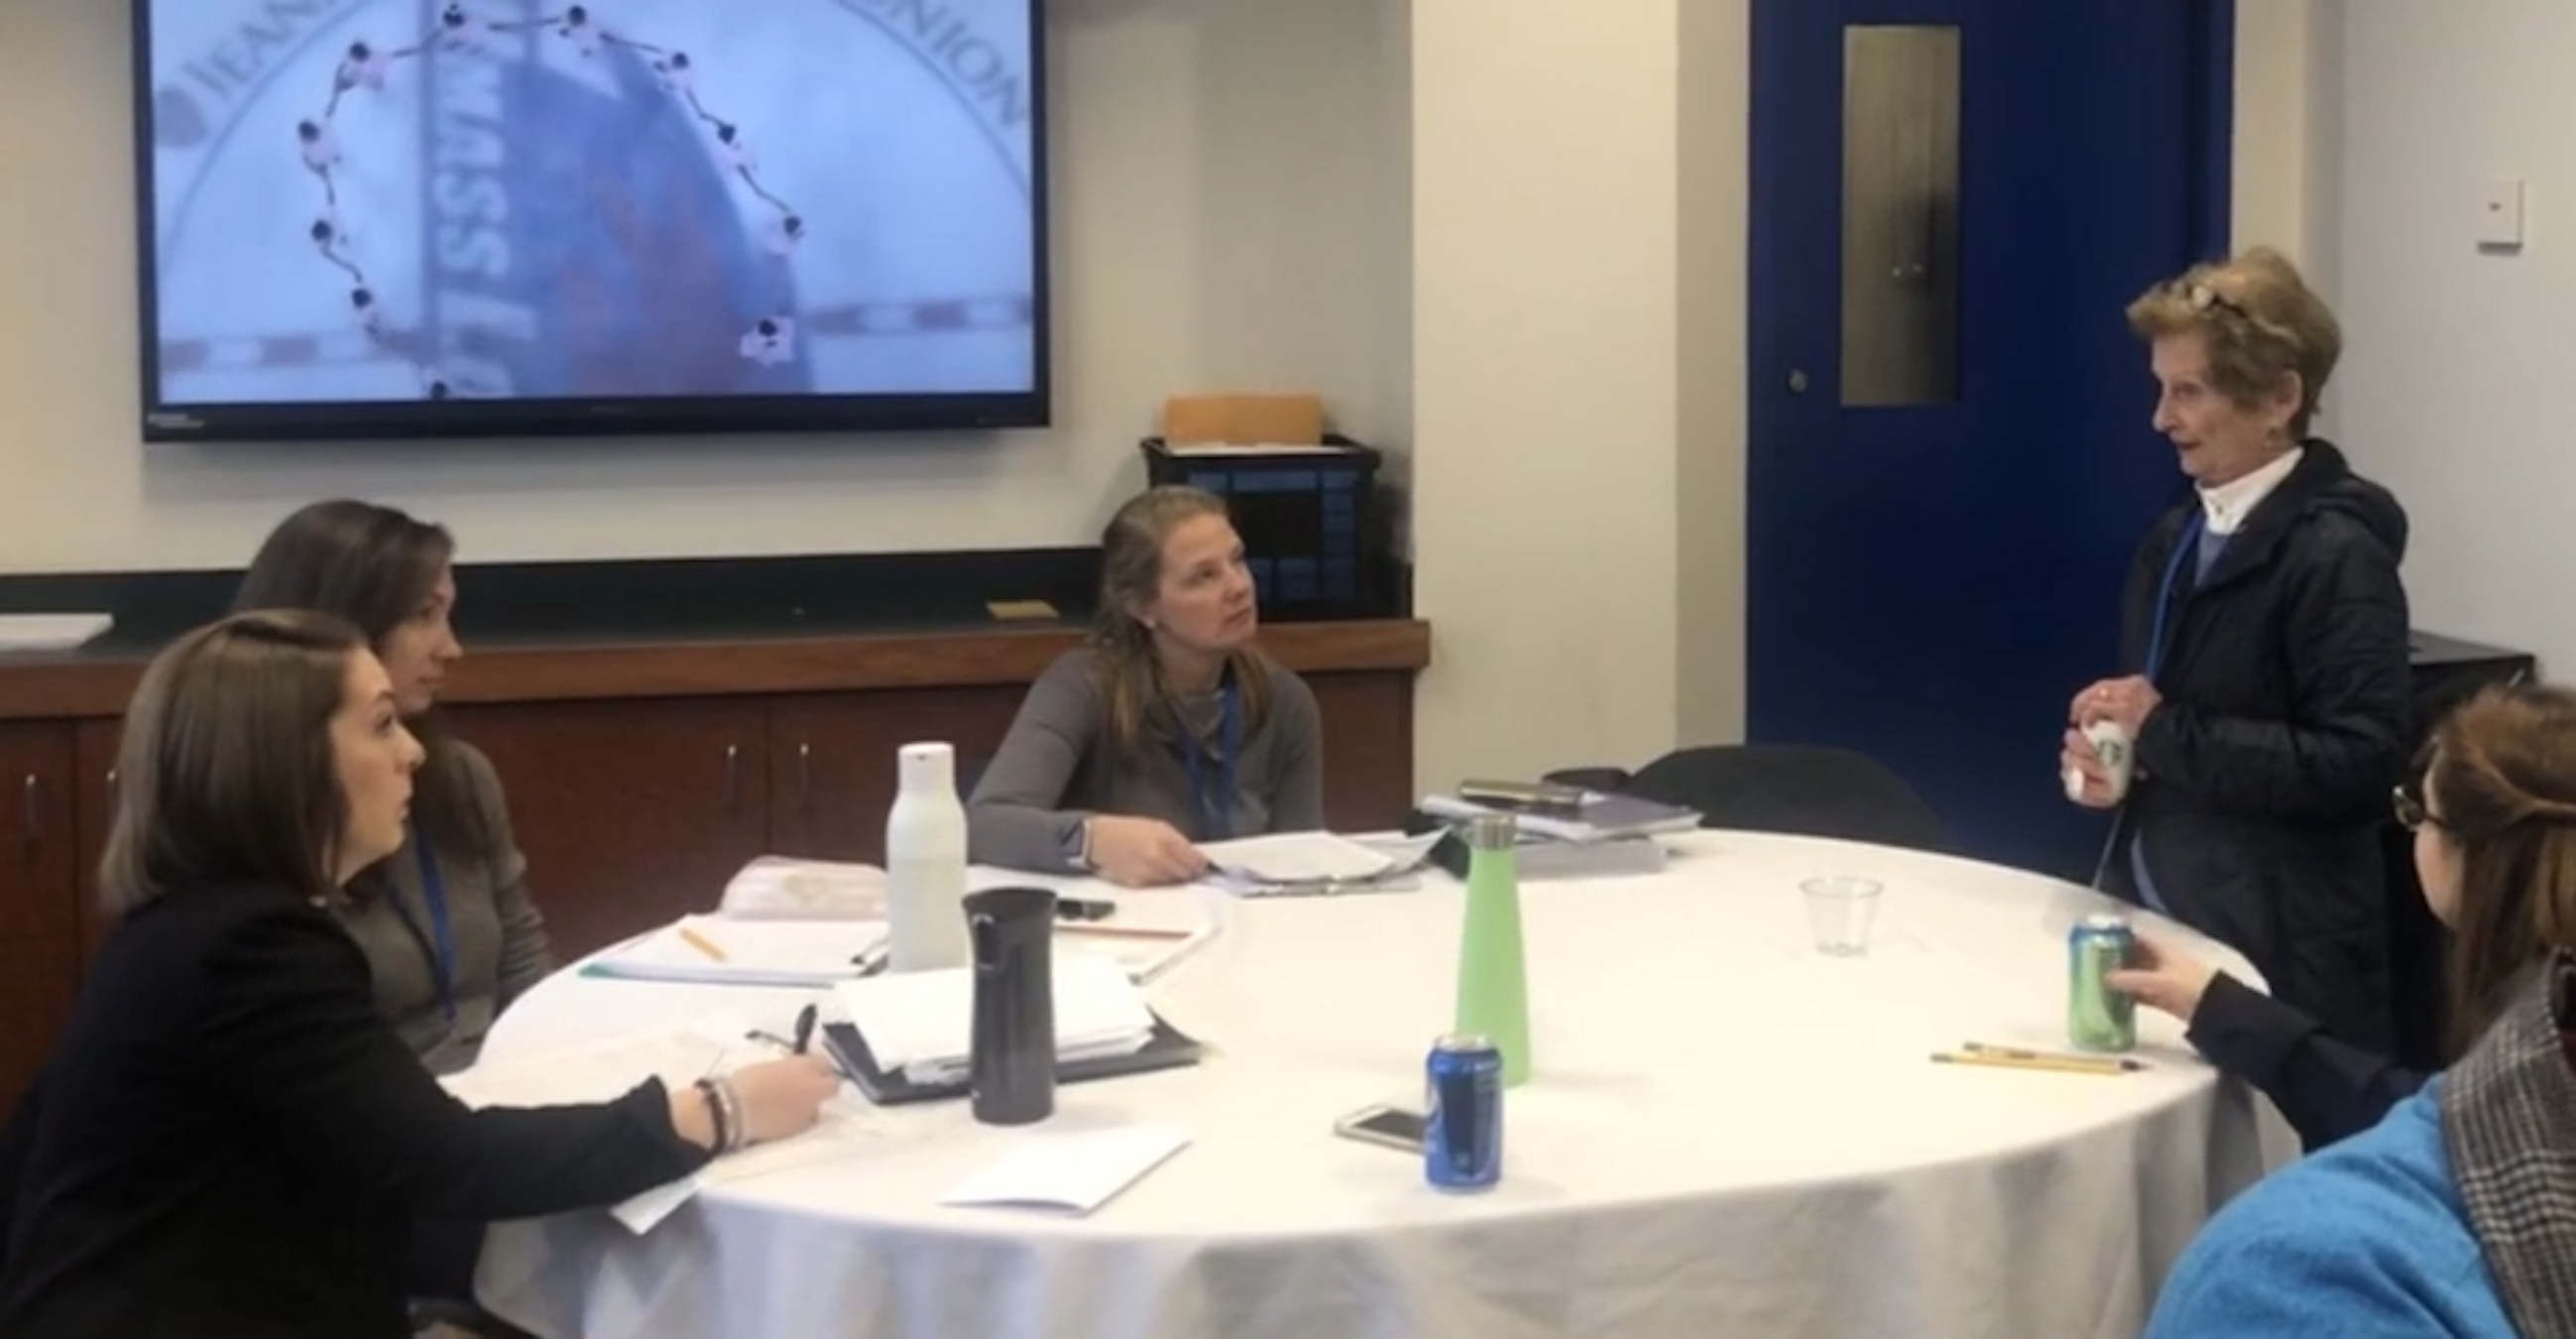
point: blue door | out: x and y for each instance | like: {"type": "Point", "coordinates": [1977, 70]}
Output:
{"type": "Point", "coordinates": [1950, 460]}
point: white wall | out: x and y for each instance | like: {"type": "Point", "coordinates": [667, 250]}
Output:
{"type": "Point", "coordinates": [2456, 387]}
{"type": "Point", "coordinates": [1223, 169]}
{"type": "Point", "coordinates": [1503, 237]}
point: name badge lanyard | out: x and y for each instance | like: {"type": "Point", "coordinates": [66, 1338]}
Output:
{"type": "Point", "coordinates": [1216, 808]}
{"type": "Point", "coordinates": [433, 898]}
{"type": "Point", "coordinates": [2185, 545]}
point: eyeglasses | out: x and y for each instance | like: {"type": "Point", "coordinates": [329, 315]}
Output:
{"type": "Point", "coordinates": [2411, 813]}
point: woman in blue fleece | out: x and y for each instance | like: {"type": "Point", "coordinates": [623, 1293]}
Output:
{"type": "Point", "coordinates": [2490, 757]}
{"type": "Point", "coordinates": [2456, 1215]}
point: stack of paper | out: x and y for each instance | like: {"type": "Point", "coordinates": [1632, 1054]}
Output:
{"type": "Point", "coordinates": [1603, 817]}
{"type": "Point", "coordinates": [1294, 863]}
{"type": "Point", "coordinates": [778, 888]}
{"type": "Point", "coordinates": [605, 1070]}
{"type": "Point", "coordinates": [716, 950]}
{"type": "Point", "coordinates": [923, 1023]}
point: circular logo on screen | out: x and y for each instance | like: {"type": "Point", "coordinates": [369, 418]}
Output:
{"type": "Point", "coordinates": [509, 199]}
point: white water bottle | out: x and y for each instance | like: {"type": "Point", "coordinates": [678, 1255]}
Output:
{"type": "Point", "coordinates": [926, 863]}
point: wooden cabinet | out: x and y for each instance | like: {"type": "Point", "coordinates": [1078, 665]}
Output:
{"type": "Point", "coordinates": [832, 759]}
{"type": "Point", "coordinates": [39, 898]}
{"type": "Point", "coordinates": [630, 813]}
{"type": "Point", "coordinates": [641, 777]}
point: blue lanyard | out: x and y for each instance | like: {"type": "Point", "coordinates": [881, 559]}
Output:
{"type": "Point", "coordinates": [2184, 545]}
{"type": "Point", "coordinates": [1216, 809]}
{"type": "Point", "coordinates": [433, 898]}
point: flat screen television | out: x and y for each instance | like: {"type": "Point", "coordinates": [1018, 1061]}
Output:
{"type": "Point", "coordinates": [472, 218]}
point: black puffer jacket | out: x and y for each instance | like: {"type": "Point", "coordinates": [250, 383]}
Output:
{"type": "Point", "coordinates": [2266, 771]}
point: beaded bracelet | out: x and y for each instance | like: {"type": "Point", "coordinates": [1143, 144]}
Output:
{"type": "Point", "coordinates": [720, 1113]}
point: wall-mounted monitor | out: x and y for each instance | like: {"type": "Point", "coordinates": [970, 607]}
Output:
{"type": "Point", "coordinates": [453, 218]}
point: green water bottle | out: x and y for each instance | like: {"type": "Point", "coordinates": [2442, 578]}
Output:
{"type": "Point", "coordinates": [1493, 976]}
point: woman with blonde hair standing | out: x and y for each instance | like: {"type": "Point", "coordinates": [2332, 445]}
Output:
{"type": "Point", "coordinates": [2266, 696]}
{"type": "Point", "coordinates": [1168, 729]}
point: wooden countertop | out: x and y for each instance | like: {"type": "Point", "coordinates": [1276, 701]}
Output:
{"type": "Point", "coordinates": [678, 664]}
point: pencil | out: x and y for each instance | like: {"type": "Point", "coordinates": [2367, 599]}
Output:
{"type": "Point", "coordinates": [2021, 1053]}
{"type": "Point", "coordinates": [702, 944]}
{"type": "Point", "coordinates": [2063, 1064]}
{"type": "Point", "coordinates": [1120, 931]}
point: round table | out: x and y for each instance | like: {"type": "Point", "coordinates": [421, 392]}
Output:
{"type": "Point", "coordinates": [1726, 1133]}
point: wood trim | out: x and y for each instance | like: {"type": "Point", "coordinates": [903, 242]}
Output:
{"type": "Point", "coordinates": [55, 688]}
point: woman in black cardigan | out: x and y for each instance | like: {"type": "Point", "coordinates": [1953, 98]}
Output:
{"type": "Point", "coordinates": [2495, 835]}
{"type": "Point", "coordinates": [228, 1138]}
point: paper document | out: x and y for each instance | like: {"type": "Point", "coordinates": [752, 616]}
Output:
{"type": "Point", "coordinates": [51, 632]}
{"type": "Point", "coordinates": [718, 950]}
{"type": "Point", "coordinates": [1311, 862]}
{"type": "Point", "coordinates": [606, 1070]}
{"type": "Point", "coordinates": [923, 1022]}
{"type": "Point", "coordinates": [1149, 934]}
{"type": "Point", "coordinates": [1077, 1172]}
{"type": "Point", "coordinates": [778, 888]}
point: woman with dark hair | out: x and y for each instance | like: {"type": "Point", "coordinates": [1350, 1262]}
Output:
{"type": "Point", "coordinates": [447, 924]}
{"type": "Point", "coordinates": [2452, 1214]}
{"type": "Point", "coordinates": [228, 1138]}
{"type": "Point", "coordinates": [1170, 728]}
{"type": "Point", "coordinates": [2483, 866]}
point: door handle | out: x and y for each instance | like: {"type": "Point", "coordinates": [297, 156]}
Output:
{"type": "Point", "coordinates": [32, 792]}
{"type": "Point", "coordinates": [805, 778]}
{"type": "Point", "coordinates": [733, 779]}
{"type": "Point", "coordinates": [1797, 381]}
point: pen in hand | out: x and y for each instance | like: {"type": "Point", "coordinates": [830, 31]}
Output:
{"type": "Point", "coordinates": [805, 1019]}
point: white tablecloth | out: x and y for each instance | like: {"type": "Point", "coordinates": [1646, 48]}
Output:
{"type": "Point", "coordinates": [1727, 1135]}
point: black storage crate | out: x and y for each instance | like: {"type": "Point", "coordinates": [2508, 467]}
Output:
{"type": "Point", "coordinates": [1310, 520]}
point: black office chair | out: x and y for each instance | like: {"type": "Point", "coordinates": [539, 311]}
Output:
{"type": "Point", "coordinates": [1807, 790]}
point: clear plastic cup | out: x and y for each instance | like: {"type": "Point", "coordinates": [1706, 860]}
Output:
{"type": "Point", "coordinates": [1841, 909]}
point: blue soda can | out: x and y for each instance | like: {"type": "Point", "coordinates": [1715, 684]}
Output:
{"type": "Point", "coordinates": [1462, 1141]}
{"type": "Point", "coordinates": [2099, 1018]}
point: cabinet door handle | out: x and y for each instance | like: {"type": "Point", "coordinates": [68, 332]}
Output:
{"type": "Point", "coordinates": [111, 787]}
{"type": "Point", "coordinates": [805, 778]}
{"type": "Point", "coordinates": [733, 779]}
{"type": "Point", "coordinates": [30, 793]}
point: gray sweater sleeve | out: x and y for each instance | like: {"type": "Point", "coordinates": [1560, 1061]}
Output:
{"type": "Point", "coordinates": [1015, 819]}
{"type": "Point", "coordinates": [1298, 726]}
{"type": "Point", "coordinates": [527, 956]}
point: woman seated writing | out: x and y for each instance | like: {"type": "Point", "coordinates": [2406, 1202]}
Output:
{"type": "Point", "coordinates": [2495, 835]}
{"type": "Point", "coordinates": [2453, 1215]}
{"type": "Point", "coordinates": [1170, 728]}
{"type": "Point", "coordinates": [229, 1138]}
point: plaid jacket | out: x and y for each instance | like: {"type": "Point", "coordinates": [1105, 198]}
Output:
{"type": "Point", "coordinates": [2509, 1126]}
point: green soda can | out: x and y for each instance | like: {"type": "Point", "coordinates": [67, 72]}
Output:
{"type": "Point", "coordinates": [2099, 1018]}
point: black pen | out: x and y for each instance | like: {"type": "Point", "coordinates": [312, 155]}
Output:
{"type": "Point", "coordinates": [804, 1028]}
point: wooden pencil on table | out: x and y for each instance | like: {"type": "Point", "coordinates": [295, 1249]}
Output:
{"type": "Point", "coordinates": [2063, 1064]}
{"type": "Point", "coordinates": [2025, 1053]}
{"type": "Point", "coordinates": [1120, 931]}
{"type": "Point", "coordinates": [702, 944]}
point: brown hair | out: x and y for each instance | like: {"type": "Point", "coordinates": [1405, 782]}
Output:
{"type": "Point", "coordinates": [1131, 574]}
{"type": "Point", "coordinates": [227, 770]}
{"type": "Point", "coordinates": [376, 567]}
{"type": "Point", "coordinates": [2503, 774]}
{"type": "Point", "coordinates": [2260, 321]}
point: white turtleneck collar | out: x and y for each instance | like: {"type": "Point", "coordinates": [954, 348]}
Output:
{"type": "Point", "coordinates": [2228, 504]}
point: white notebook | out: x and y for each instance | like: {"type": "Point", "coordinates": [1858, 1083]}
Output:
{"type": "Point", "coordinates": [1074, 1173]}
{"type": "Point", "coordinates": [719, 950]}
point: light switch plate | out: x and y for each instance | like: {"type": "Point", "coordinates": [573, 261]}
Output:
{"type": "Point", "coordinates": [2500, 215]}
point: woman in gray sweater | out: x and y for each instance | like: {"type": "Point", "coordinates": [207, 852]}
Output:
{"type": "Point", "coordinates": [1168, 729]}
{"type": "Point", "coordinates": [448, 929]}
